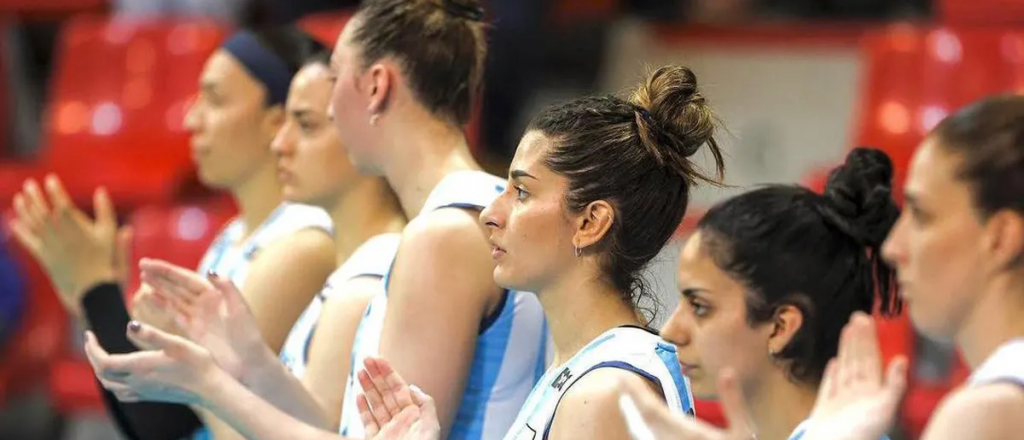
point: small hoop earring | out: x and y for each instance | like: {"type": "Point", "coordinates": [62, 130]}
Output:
{"type": "Point", "coordinates": [577, 251]}
{"type": "Point", "coordinates": [374, 118]}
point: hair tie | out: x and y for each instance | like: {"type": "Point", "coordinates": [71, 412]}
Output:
{"type": "Point", "coordinates": [262, 64]}
{"type": "Point", "coordinates": [463, 10]}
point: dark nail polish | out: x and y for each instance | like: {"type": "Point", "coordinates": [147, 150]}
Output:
{"type": "Point", "coordinates": [134, 326]}
{"type": "Point", "coordinates": [212, 275]}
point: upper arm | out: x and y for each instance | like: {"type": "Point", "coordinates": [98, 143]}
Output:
{"type": "Point", "coordinates": [987, 412]}
{"type": "Point", "coordinates": [330, 350]}
{"type": "Point", "coordinates": [283, 278]}
{"type": "Point", "coordinates": [440, 289]}
{"type": "Point", "coordinates": [590, 409]}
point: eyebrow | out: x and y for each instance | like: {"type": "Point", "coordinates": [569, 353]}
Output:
{"type": "Point", "coordinates": [300, 112]}
{"type": "Point", "coordinates": [690, 292]}
{"type": "Point", "coordinates": [519, 174]}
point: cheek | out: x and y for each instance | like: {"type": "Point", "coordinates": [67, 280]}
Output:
{"type": "Point", "coordinates": [730, 343]}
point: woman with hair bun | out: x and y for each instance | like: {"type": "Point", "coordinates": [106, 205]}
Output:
{"type": "Point", "coordinates": [767, 282]}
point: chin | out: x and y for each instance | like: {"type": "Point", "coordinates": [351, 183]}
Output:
{"type": "Point", "coordinates": [505, 280]}
{"type": "Point", "coordinates": [935, 329]}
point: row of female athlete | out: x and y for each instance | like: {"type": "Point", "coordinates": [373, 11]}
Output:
{"type": "Point", "coordinates": [377, 284]}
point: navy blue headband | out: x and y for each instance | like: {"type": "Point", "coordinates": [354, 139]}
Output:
{"type": "Point", "coordinates": [262, 64]}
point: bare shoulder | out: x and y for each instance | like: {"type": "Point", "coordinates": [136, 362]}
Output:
{"type": "Point", "coordinates": [994, 411]}
{"type": "Point", "coordinates": [590, 408]}
{"type": "Point", "coordinates": [444, 228]}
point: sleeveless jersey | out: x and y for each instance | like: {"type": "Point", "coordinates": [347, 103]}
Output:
{"type": "Point", "coordinates": [510, 350]}
{"type": "Point", "coordinates": [1005, 365]}
{"type": "Point", "coordinates": [229, 258]}
{"type": "Point", "coordinates": [628, 348]}
{"type": "Point", "coordinates": [372, 258]}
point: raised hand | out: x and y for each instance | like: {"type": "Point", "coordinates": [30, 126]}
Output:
{"type": "Point", "coordinates": [212, 313]}
{"type": "Point", "coordinates": [150, 307]}
{"type": "Point", "coordinates": [75, 251]}
{"type": "Point", "coordinates": [648, 418]}
{"type": "Point", "coordinates": [391, 409]}
{"type": "Point", "coordinates": [855, 401]}
{"type": "Point", "coordinates": [168, 369]}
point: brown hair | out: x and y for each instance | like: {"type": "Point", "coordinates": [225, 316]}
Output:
{"type": "Point", "coordinates": [989, 137]}
{"type": "Point", "coordinates": [440, 44]}
{"type": "Point", "coordinates": [635, 154]}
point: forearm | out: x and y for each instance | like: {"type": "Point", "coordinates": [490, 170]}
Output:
{"type": "Point", "coordinates": [272, 382]}
{"type": "Point", "coordinates": [253, 417]}
{"type": "Point", "coordinates": [106, 314]}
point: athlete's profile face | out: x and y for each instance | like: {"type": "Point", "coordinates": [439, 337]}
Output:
{"type": "Point", "coordinates": [230, 124]}
{"type": "Point", "coordinates": [312, 165]}
{"type": "Point", "coordinates": [349, 101]}
{"type": "Point", "coordinates": [938, 243]}
{"type": "Point", "coordinates": [709, 326]}
{"type": "Point", "coordinates": [529, 230]}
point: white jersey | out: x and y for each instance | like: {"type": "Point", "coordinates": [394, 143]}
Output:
{"type": "Point", "coordinates": [629, 348]}
{"type": "Point", "coordinates": [1005, 365]}
{"type": "Point", "coordinates": [229, 258]}
{"type": "Point", "coordinates": [371, 259]}
{"type": "Point", "coordinates": [510, 352]}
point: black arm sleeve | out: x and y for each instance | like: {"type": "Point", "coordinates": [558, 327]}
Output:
{"type": "Point", "coordinates": [107, 317]}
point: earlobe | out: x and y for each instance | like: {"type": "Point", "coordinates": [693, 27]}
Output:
{"type": "Point", "coordinates": [594, 223]}
{"type": "Point", "coordinates": [786, 321]}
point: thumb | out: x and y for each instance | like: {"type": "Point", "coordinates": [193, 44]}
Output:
{"type": "Point", "coordinates": [233, 298]}
{"type": "Point", "coordinates": [733, 405]}
{"type": "Point", "coordinates": [147, 337]}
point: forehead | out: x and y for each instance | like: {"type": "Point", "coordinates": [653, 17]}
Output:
{"type": "Point", "coordinates": [310, 88]}
{"type": "Point", "coordinates": [341, 47]}
{"type": "Point", "coordinates": [698, 269]}
{"type": "Point", "coordinates": [532, 149]}
{"type": "Point", "coordinates": [932, 174]}
{"type": "Point", "coordinates": [223, 69]}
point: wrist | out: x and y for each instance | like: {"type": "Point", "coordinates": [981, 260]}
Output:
{"type": "Point", "coordinates": [260, 363]}
{"type": "Point", "coordinates": [212, 385]}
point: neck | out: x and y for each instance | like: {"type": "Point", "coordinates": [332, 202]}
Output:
{"type": "Point", "coordinates": [773, 421]}
{"type": "Point", "coordinates": [996, 319]}
{"type": "Point", "coordinates": [579, 309]}
{"type": "Point", "coordinates": [257, 198]}
{"type": "Point", "coordinates": [422, 157]}
{"type": "Point", "coordinates": [360, 214]}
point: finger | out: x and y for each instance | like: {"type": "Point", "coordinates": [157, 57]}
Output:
{"type": "Point", "coordinates": [398, 385]}
{"type": "Point", "coordinates": [384, 388]}
{"type": "Point", "coordinates": [114, 367]}
{"type": "Point", "coordinates": [127, 396]}
{"type": "Point", "coordinates": [103, 207]}
{"type": "Point", "coordinates": [153, 338]}
{"type": "Point", "coordinates": [896, 378]}
{"type": "Point", "coordinates": [172, 276]}
{"type": "Point", "coordinates": [24, 215]}
{"type": "Point", "coordinates": [35, 202]}
{"type": "Point", "coordinates": [380, 411]}
{"type": "Point", "coordinates": [27, 238]}
{"type": "Point", "coordinates": [845, 360]}
{"type": "Point", "coordinates": [122, 256]}
{"type": "Point", "coordinates": [232, 297]}
{"type": "Point", "coordinates": [866, 371]}
{"type": "Point", "coordinates": [734, 406]}
{"type": "Point", "coordinates": [428, 410]}
{"type": "Point", "coordinates": [871, 354]}
{"type": "Point", "coordinates": [827, 389]}
{"type": "Point", "coordinates": [58, 197]}
{"type": "Point", "coordinates": [366, 415]}
{"type": "Point", "coordinates": [172, 287]}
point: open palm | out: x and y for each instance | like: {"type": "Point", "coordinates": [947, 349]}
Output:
{"type": "Point", "coordinates": [855, 401]}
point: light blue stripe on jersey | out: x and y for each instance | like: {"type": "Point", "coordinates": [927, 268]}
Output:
{"type": "Point", "coordinates": [667, 353]}
{"type": "Point", "coordinates": [799, 433]}
{"type": "Point", "coordinates": [483, 374]}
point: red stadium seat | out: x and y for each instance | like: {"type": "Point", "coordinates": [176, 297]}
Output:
{"type": "Point", "coordinates": [119, 96]}
{"type": "Point", "coordinates": [913, 77]}
{"type": "Point", "coordinates": [179, 234]}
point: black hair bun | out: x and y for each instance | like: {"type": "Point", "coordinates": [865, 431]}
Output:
{"type": "Point", "coordinates": [858, 196]}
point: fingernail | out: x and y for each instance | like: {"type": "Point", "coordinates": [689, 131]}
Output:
{"type": "Point", "coordinates": [212, 275]}
{"type": "Point", "coordinates": [134, 326]}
